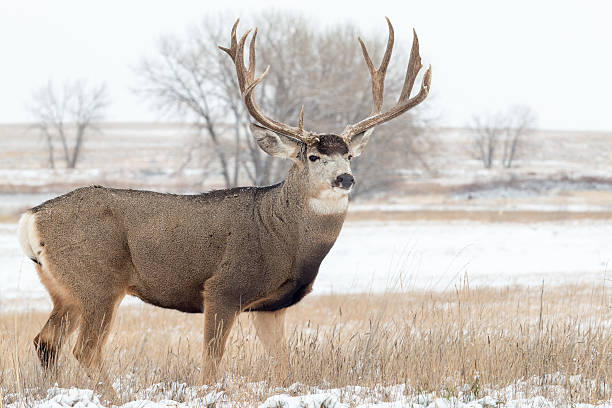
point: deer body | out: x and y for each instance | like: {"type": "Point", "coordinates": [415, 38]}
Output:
{"type": "Point", "coordinates": [164, 248]}
{"type": "Point", "coordinates": [221, 253]}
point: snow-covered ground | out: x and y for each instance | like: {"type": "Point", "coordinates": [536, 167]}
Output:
{"type": "Point", "coordinates": [300, 396]}
{"type": "Point", "coordinates": [379, 256]}
{"type": "Point", "coordinates": [435, 256]}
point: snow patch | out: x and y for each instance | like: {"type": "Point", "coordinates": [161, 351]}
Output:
{"type": "Point", "coordinates": [353, 396]}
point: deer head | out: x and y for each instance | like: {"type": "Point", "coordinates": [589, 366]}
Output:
{"type": "Point", "coordinates": [325, 157]}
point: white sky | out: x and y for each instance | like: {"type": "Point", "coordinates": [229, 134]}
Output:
{"type": "Point", "coordinates": [555, 56]}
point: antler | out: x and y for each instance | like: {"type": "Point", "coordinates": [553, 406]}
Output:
{"type": "Point", "coordinates": [247, 84]}
{"type": "Point", "coordinates": [404, 102]}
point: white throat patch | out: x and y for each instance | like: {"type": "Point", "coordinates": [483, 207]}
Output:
{"type": "Point", "coordinates": [329, 202]}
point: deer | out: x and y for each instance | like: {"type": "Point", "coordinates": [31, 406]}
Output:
{"type": "Point", "coordinates": [220, 253]}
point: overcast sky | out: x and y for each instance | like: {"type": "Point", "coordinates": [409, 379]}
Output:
{"type": "Point", "coordinates": [555, 56]}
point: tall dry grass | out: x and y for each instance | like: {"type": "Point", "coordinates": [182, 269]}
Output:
{"type": "Point", "coordinates": [461, 342]}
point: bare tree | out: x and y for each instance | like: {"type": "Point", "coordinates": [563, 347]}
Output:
{"type": "Point", "coordinates": [521, 120]}
{"type": "Point", "coordinates": [487, 130]}
{"type": "Point", "coordinates": [69, 115]}
{"type": "Point", "coordinates": [190, 77]}
{"type": "Point", "coordinates": [506, 129]}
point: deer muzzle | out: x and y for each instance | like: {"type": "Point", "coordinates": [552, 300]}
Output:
{"type": "Point", "coordinates": [345, 181]}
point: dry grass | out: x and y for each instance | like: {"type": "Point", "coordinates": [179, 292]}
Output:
{"type": "Point", "coordinates": [466, 341]}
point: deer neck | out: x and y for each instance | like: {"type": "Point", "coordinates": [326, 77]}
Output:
{"type": "Point", "coordinates": [312, 211]}
{"type": "Point", "coordinates": [289, 224]}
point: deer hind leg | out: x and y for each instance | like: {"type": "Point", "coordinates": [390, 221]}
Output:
{"type": "Point", "coordinates": [95, 327]}
{"type": "Point", "coordinates": [64, 318]}
{"type": "Point", "coordinates": [270, 329]}
{"type": "Point", "coordinates": [61, 323]}
{"type": "Point", "coordinates": [218, 320]}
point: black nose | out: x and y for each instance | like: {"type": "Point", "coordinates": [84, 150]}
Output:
{"type": "Point", "coordinates": [345, 180]}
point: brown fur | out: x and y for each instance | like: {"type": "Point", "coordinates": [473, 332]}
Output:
{"type": "Point", "coordinates": [220, 253]}
{"type": "Point", "coordinates": [332, 144]}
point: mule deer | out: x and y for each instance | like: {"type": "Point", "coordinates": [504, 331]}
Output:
{"type": "Point", "coordinates": [255, 249]}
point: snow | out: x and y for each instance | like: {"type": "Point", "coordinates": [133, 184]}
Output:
{"type": "Point", "coordinates": [83, 398]}
{"type": "Point", "coordinates": [72, 397]}
{"type": "Point", "coordinates": [304, 401]}
{"type": "Point", "coordinates": [333, 398]}
{"type": "Point", "coordinates": [374, 256]}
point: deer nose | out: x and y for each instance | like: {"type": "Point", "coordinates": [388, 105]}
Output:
{"type": "Point", "coordinates": [345, 180]}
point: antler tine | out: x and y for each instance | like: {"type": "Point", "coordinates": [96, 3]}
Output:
{"type": "Point", "coordinates": [232, 49]}
{"type": "Point", "coordinates": [387, 57]}
{"type": "Point", "coordinates": [236, 54]}
{"type": "Point", "coordinates": [249, 89]}
{"type": "Point", "coordinates": [378, 75]}
{"type": "Point", "coordinates": [241, 71]}
{"type": "Point", "coordinates": [301, 120]}
{"type": "Point", "coordinates": [366, 56]}
{"type": "Point", "coordinates": [247, 83]}
{"type": "Point", "coordinates": [414, 66]}
{"type": "Point", "coordinates": [251, 70]}
{"type": "Point", "coordinates": [404, 102]}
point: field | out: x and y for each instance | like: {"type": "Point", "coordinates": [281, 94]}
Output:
{"type": "Point", "coordinates": [481, 347]}
{"type": "Point", "coordinates": [464, 289]}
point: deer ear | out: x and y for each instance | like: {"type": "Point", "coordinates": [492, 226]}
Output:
{"type": "Point", "coordinates": [275, 144]}
{"type": "Point", "coordinates": [359, 142]}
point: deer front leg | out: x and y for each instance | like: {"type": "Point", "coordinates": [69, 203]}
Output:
{"type": "Point", "coordinates": [270, 329]}
{"type": "Point", "coordinates": [218, 319]}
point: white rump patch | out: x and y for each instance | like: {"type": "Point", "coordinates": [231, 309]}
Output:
{"type": "Point", "coordinates": [26, 231]}
{"type": "Point", "coordinates": [30, 241]}
{"type": "Point", "coordinates": [329, 202]}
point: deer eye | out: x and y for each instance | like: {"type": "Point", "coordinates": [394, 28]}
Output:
{"type": "Point", "coordinates": [313, 158]}
{"type": "Point", "coordinates": [350, 156]}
